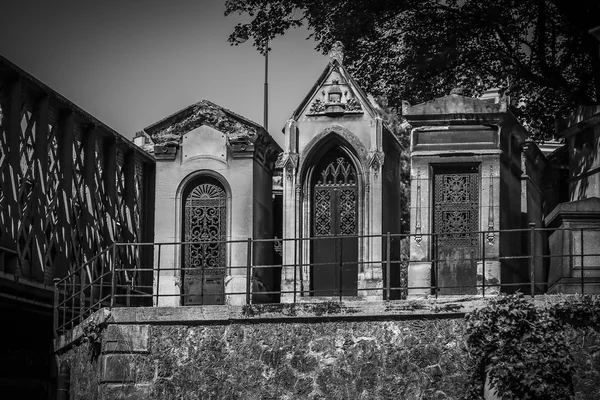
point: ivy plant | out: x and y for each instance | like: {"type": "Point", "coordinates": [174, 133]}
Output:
{"type": "Point", "coordinates": [522, 347]}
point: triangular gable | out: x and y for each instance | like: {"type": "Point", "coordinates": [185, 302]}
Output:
{"type": "Point", "coordinates": [353, 100]}
{"type": "Point", "coordinates": [236, 127]}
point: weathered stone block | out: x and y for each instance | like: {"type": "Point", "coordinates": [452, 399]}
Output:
{"type": "Point", "coordinates": [127, 391]}
{"type": "Point", "coordinates": [419, 276]}
{"type": "Point", "coordinates": [126, 338]}
{"type": "Point", "coordinates": [119, 368]}
{"type": "Point", "coordinates": [492, 277]}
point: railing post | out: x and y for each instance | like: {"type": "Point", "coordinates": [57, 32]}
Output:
{"type": "Point", "coordinates": [300, 262]}
{"type": "Point", "coordinates": [582, 260]}
{"type": "Point", "coordinates": [248, 271]}
{"type": "Point", "coordinates": [341, 240]}
{"type": "Point", "coordinates": [114, 275]}
{"type": "Point", "coordinates": [56, 301]}
{"type": "Point", "coordinates": [295, 266]}
{"type": "Point", "coordinates": [81, 293]}
{"type": "Point", "coordinates": [436, 263]}
{"type": "Point", "coordinates": [483, 264]}
{"type": "Point", "coordinates": [65, 305]}
{"type": "Point", "coordinates": [388, 252]}
{"type": "Point", "coordinates": [202, 276]}
{"type": "Point", "coordinates": [72, 316]}
{"type": "Point", "coordinates": [101, 288]}
{"type": "Point", "coordinates": [158, 274]}
{"type": "Point", "coordinates": [531, 257]}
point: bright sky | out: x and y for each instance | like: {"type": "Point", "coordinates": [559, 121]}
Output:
{"type": "Point", "coordinates": [130, 63]}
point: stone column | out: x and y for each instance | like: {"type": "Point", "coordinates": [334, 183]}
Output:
{"type": "Point", "coordinates": [372, 276]}
{"type": "Point", "coordinates": [290, 272]}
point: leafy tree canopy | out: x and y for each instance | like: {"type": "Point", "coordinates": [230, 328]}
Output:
{"type": "Point", "coordinates": [539, 52]}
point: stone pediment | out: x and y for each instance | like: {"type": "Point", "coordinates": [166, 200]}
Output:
{"type": "Point", "coordinates": [237, 128]}
{"type": "Point", "coordinates": [454, 104]}
{"type": "Point", "coordinates": [335, 94]}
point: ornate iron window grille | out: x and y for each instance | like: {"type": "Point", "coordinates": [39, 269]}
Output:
{"type": "Point", "coordinates": [339, 175]}
{"type": "Point", "coordinates": [456, 208]}
{"type": "Point", "coordinates": [205, 223]}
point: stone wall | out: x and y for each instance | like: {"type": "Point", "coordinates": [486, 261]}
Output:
{"type": "Point", "coordinates": [330, 360]}
{"type": "Point", "coordinates": [321, 358]}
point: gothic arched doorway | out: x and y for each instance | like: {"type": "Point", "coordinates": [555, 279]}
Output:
{"type": "Point", "coordinates": [334, 248]}
{"type": "Point", "coordinates": [205, 225]}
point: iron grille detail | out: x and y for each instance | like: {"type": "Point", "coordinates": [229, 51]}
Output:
{"type": "Point", "coordinates": [322, 211]}
{"type": "Point", "coordinates": [348, 211]}
{"type": "Point", "coordinates": [456, 208]}
{"type": "Point", "coordinates": [335, 198]}
{"type": "Point", "coordinates": [205, 223]}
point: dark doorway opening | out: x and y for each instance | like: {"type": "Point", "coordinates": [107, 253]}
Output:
{"type": "Point", "coordinates": [334, 244]}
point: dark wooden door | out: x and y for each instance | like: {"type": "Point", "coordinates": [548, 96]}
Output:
{"type": "Point", "coordinates": [456, 218]}
{"type": "Point", "coordinates": [334, 246]}
{"type": "Point", "coordinates": [203, 261]}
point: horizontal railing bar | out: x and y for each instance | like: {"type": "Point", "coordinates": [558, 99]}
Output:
{"type": "Point", "coordinates": [77, 292]}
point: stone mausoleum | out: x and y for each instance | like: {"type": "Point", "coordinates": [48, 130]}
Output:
{"type": "Point", "coordinates": [312, 221]}
{"type": "Point", "coordinates": [214, 173]}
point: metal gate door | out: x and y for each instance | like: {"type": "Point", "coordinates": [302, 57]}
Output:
{"type": "Point", "coordinates": [456, 218]}
{"type": "Point", "coordinates": [204, 261]}
{"type": "Point", "coordinates": [335, 245]}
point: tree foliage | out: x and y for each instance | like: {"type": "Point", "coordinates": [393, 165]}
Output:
{"type": "Point", "coordinates": [524, 346]}
{"type": "Point", "coordinates": [539, 52]}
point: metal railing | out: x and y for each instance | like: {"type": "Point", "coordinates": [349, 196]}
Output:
{"type": "Point", "coordinates": [111, 279]}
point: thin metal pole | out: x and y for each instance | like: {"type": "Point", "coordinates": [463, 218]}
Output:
{"type": "Point", "coordinates": [56, 300]}
{"type": "Point", "coordinates": [158, 274]}
{"type": "Point", "coordinates": [72, 316]}
{"type": "Point", "coordinates": [295, 265]}
{"type": "Point", "coordinates": [483, 264]}
{"type": "Point", "coordinates": [531, 257]}
{"type": "Point", "coordinates": [65, 305]}
{"type": "Point", "coordinates": [582, 260]}
{"type": "Point", "coordinates": [341, 264]}
{"type": "Point", "coordinates": [202, 276]}
{"type": "Point", "coordinates": [301, 264]}
{"type": "Point", "coordinates": [81, 293]}
{"type": "Point", "coordinates": [248, 270]}
{"type": "Point", "coordinates": [101, 290]}
{"type": "Point", "coordinates": [388, 251]}
{"type": "Point", "coordinates": [266, 105]}
{"type": "Point", "coordinates": [436, 261]}
{"type": "Point", "coordinates": [114, 276]}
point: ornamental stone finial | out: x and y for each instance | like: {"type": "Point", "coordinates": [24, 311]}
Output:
{"type": "Point", "coordinates": [337, 52]}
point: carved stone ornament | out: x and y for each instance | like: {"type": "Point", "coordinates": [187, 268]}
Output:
{"type": "Point", "coordinates": [237, 129]}
{"type": "Point", "coordinates": [336, 103]}
{"type": "Point", "coordinates": [289, 162]}
{"type": "Point", "coordinates": [337, 52]}
{"type": "Point", "coordinates": [318, 106]}
{"type": "Point", "coordinates": [353, 105]}
{"type": "Point", "coordinates": [376, 161]}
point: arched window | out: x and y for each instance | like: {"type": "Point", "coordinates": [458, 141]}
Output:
{"type": "Point", "coordinates": [205, 226]}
